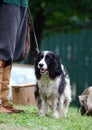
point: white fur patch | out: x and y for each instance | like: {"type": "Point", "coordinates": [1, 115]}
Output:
{"type": "Point", "coordinates": [42, 61]}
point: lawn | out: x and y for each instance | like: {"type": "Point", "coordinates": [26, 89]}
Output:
{"type": "Point", "coordinates": [30, 121]}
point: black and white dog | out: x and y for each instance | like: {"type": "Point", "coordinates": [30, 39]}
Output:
{"type": "Point", "coordinates": [53, 84]}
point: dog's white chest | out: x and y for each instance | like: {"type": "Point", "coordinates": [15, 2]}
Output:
{"type": "Point", "coordinates": [47, 86]}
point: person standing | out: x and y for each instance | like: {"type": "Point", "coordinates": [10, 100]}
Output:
{"type": "Point", "coordinates": [13, 31]}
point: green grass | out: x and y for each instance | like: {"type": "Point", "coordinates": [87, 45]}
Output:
{"type": "Point", "coordinates": [30, 121]}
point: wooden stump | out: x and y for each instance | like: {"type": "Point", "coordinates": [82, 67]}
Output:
{"type": "Point", "coordinates": [23, 94]}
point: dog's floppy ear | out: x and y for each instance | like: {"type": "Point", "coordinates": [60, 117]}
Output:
{"type": "Point", "coordinates": [37, 71]}
{"type": "Point", "coordinates": [55, 67]}
{"type": "Point", "coordinates": [82, 98]}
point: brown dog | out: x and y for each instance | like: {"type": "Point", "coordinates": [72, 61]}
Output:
{"type": "Point", "coordinates": [85, 100]}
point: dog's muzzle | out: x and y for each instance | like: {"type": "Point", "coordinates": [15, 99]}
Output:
{"type": "Point", "coordinates": [41, 68]}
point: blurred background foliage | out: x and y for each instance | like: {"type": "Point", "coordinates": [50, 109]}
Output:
{"type": "Point", "coordinates": [58, 16]}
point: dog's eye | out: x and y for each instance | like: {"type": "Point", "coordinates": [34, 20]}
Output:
{"type": "Point", "coordinates": [41, 56]}
{"type": "Point", "coordinates": [47, 57]}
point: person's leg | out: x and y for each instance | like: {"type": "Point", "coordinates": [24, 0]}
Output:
{"type": "Point", "coordinates": [13, 31]}
{"type": "Point", "coordinates": [5, 85]}
{"type": "Point", "coordinates": [2, 109]}
{"type": "Point", "coordinates": [21, 37]}
{"type": "Point", "coordinates": [5, 90]}
{"type": "Point", "coordinates": [9, 23]}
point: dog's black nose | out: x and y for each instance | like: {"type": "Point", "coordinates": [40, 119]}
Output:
{"type": "Point", "coordinates": [41, 65]}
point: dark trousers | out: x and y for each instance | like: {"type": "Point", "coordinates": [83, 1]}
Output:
{"type": "Point", "coordinates": [13, 28]}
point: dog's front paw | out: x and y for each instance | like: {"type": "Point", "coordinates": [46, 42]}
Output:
{"type": "Point", "coordinates": [56, 115]}
{"type": "Point", "coordinates": [63, 114]}
{"type": "Point", "coordinates": [41, 113]}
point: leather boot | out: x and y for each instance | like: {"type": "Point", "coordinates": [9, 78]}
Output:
{"type": "Point", "coordinates": [2, 109]}
{"type": "Point", "coordinates": [5, 90]}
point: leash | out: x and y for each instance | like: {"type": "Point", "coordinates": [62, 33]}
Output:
{"type": "Point", "coordinates": [32, 25]}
